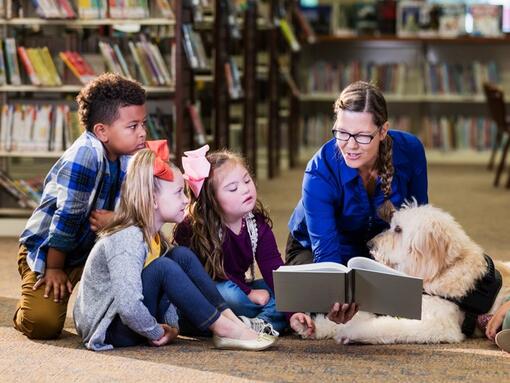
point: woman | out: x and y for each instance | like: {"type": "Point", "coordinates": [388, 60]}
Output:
{"type": "Point", "coordinates": [353, 183]}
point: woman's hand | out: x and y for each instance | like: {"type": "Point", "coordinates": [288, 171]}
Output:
{"type": "Point", "coordinates": [302, 324]}
{"type": "Point", "coordinates": [259, 296]}
{"type": "Point", "coordinates": [496, 321]}
{"type": "Point", "coordinates": [170, 333]}
{"type": "Point", "coordinates": [342, 313]}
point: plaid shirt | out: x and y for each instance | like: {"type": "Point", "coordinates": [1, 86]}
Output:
{"type": "Point", "coordinates": [76, 185]}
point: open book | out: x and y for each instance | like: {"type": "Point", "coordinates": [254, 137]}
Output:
{"type": "Point", "coordinates": [373, 286]}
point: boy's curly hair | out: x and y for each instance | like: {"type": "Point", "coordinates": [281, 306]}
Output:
{"type": "Point", "coordinates": [99, 101]}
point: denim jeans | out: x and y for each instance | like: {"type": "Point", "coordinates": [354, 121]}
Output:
{"type": "Point", "coordinates": [178, 278]}
{"type": "Point", "coordinates": [240, 304]}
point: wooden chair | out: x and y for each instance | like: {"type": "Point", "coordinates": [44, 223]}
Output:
{"type": "Point", "coordinates": [496, 104]}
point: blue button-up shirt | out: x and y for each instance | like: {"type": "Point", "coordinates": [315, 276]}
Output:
{"type": "Point", "coordinates": [335, 216]}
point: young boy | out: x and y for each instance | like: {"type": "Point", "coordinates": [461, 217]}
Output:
{"type": "Point", "coordinates": [80, 191]}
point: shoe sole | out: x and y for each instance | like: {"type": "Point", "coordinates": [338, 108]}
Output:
{"type": "Point", "coordinates": [503, 340]}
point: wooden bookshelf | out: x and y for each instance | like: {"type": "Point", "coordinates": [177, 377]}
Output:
{"type": "Point", "coordinates": [28, 22]}
{"type": "Point", "coordinates": [177, 94]}
{"type": "Point", "coordinates": [403, 98]}
{"type": "Point", "coordinates": [428, 40]}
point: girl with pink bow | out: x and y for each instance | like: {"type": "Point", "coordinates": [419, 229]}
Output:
{"type": "Point", "coordinates": [135, 286]}
{"type": "Point", "coordinates": [229, 230]}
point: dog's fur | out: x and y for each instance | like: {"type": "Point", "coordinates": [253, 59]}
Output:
{"type": "Point", "coordinates": [425, 242]}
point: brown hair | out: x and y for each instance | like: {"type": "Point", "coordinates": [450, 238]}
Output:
{"type": "Point", "coordinates": [362, 96]}
{"type": "Point", "coordinates": [136, 207]}
{"type": "Point", "coordinates": [99, 101]}
{"type": "Point", "coordinates": [206, 215]}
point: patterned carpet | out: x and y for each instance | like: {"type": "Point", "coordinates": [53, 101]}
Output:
{"type": "Point", "coordinates": [464, 191]}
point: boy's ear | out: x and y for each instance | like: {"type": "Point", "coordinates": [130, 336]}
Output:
{"type": "Point", "coordinates": [101, 132]}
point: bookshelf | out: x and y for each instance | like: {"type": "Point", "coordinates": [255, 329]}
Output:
{"type": "Point", "coordinates": [160, 34]}
{"type": "Point", "coordinates": [431, 71]}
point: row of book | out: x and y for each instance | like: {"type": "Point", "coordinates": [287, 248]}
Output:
{"type": "Point", "coordinates": [436, 132]}
{"type": "Point", "coordinates": [194, 49]}
{"type": "Point", "coordinates": [38, 127]}
{"type": "Point", "coordinates": [458, 132]}
{"type": "Point", "coordinates": [145, 64]}
{"type": "Point", "coordinates": [333, 77]}
{"type": "Point", "coordinates": [87, 9]}
{"type": "Point", "coordinates": [460, 78]}
{"type": "Point", "coordinates": [53, 128]}
{"type": "Point", "coordinates": [26, 193]}
{"type": "Point", "coordinates": [399, 78]}
{"type": "Point", "coordinates": [147, 60]}
{"type": "Point", "coordinates": [405, 18]}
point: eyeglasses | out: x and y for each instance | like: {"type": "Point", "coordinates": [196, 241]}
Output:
{"type": "Point", "coordinates": [363, 139]}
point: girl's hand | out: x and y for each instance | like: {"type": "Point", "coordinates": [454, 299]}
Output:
{"type": "Point", "coordinates": [342, 313]}
{"type": "Point", "coordinates": [56, 280]}
{"type": "Point", "coordinates": [259, 296]}
{"type": "Point", "coordinates": [99, 219]}
{"type": "Point", "coordinates": [302, 324]}
{"type": "Point", "coordinates": [169, 335]}
{"type": "Point", "coordinates": [496, 321]}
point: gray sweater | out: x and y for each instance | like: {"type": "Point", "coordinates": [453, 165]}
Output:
{"type": "Point", "coordinates": [111, 284]}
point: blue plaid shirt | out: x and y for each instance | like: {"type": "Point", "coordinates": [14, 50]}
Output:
{"type": "Point", "coordinates": [77, 184]}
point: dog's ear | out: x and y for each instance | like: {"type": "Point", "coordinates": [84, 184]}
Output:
{"type": "Point", "coordinates": [431, 251]}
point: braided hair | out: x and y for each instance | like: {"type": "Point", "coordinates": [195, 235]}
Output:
{"type": "Point", "coordinates": [362, 96]}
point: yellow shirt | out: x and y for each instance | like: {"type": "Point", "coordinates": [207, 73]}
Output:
{"type": "Point", "coordinates": [154, 251]}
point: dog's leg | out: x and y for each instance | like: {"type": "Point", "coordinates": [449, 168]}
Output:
{"type": "Point", "coordinates": [441, 322]}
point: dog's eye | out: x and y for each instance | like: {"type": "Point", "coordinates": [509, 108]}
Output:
{"type": "Point", "coordinates": [398, 229]}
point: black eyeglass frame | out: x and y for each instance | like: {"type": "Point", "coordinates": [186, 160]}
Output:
{"type": "Point", "coordinates": [337, 132]}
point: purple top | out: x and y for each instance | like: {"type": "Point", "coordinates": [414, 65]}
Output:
{"type": "Point", "coordinates": [237, 252]}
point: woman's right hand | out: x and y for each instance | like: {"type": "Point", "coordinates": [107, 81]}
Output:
{"type": "Point", "coordinates": [342, 313]}
{"type": "Point", "coordinates": [170, 333]}
{"type": "Point", "coordinates": [259, 296]}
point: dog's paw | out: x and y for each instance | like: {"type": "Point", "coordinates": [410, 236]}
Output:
{"type": "Point", "coordinates": [342, 339]}
{"type": "Point", "coordinates": [302, 330]}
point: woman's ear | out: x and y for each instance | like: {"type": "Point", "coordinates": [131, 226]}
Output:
{"type": "Point", "coordinates": [384, 130]}
{"type": "Point", "coordinates": [101, 132]}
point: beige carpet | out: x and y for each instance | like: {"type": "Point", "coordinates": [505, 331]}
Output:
{"type": "Point", "coordinates": [464, 191]}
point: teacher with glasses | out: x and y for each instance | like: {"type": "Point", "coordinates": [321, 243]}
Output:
{"type": "Point", "coordinates": [354, 182]}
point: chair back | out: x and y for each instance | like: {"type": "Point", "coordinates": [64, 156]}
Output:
{"type": "Point", "coordinates": [496, 104]}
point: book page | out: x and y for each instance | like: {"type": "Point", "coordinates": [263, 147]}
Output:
{"type": "Point", "coordinates": [363, 263]}
{"type": "Point", "coordinates": [316, 267]}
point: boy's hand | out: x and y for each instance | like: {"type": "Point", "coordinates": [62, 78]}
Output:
{"type": "Point", "coordinates": [169, 335]}
{"type": "Point", "coordinates": [99, 218]}
{"type": "Point", "coordinates": [56, 280]}
{"type": "Point", "coordinates": [259, 296]}
{"type": "Point", "coordinates": [302, 324]}
{"type": "Point", "coordinates": [342, 313]}
{"type": "Point", "coordinates": [496, 321]}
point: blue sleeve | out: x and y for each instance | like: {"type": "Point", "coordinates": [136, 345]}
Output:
{"type": "Point", "coordinates": [319, 198]}
{"type": "Point", "coordinates": [418, 183]}
{"type": "Point", "coordinates": [76, 180]}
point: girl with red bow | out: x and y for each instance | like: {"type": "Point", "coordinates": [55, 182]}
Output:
{"type": "Point", "coordinates": [134, 285]}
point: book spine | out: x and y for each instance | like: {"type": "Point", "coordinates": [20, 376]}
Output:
{"type": "Point", "coordinates": [350, 282]}
{"type": "Point", "coordinates": [28, 66]}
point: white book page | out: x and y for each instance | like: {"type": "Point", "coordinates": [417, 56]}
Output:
{"type": "Point", "coordinates": [316, 267]}
{"type": "Point", "coordinates": [368, 264]}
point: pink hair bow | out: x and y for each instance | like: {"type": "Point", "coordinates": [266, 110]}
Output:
{"type": "Point", "coordinates": [196, 168]}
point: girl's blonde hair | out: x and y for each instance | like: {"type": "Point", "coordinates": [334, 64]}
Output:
{"type": "Point", "coordinates": [362, 96]}
{"type": "Point", "coordinates": [137, 198]}
{"type": "Point", "coordinates": [206, 216]}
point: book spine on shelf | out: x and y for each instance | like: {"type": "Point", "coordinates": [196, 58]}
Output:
{"type": "Point", "coordinates": [29, 69]}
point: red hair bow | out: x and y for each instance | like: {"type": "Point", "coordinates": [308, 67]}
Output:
{"type": "Point", "coordinates": [162, 169]}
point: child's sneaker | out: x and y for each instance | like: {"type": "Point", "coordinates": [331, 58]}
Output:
{"type": "Point", "coordinates": [259, 325]}
{"type": "Point", "coordinates": [503, 340]}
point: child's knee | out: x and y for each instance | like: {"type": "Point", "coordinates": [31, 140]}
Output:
{"type": "Point", "coordinates": [39, 324]}
{"type": "Point", "coordinates": [183, 255]}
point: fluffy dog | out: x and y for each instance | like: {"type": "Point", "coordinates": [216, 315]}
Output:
{"type": "Point", "coordinates": [424, 242]}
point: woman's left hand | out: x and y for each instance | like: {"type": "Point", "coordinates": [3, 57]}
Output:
{"type": "Point", "coordinates": [342, 313]}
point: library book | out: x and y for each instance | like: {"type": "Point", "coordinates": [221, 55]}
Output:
{"type": "Point", "coordinates": [373, 286]}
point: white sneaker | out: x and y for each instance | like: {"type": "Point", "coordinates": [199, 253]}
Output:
{"type": "Point", "coordinates": [262, 342]}
{"type": "Point", "coordinates": [259, 325]}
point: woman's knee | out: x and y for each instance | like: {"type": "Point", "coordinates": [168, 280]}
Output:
{"type": "Point", "coordinates": [183, 255]}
